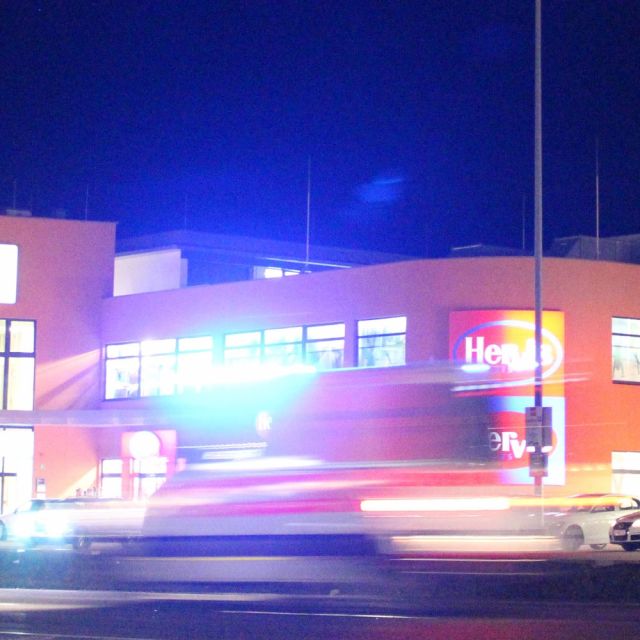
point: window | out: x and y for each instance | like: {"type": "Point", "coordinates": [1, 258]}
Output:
{"type": "Point", "coordinates": [17, 364]}
{"type": "Point", "coordinates": [186, 365]}
{"type": "Point", "coordinates": [625, 349]}
{"type": "Point", "coordinates": [260, 273]}
{"type": "Point", "coordinates": [324, 346]}
{"type": "Point", "coordinates": [9, 271]}
{"type": "Point", "coordinates": [158, 371]}
{"type": "Point", "coordinates": [157, 367]}
{"type": "Point", "coordinates": [243, 349]}
{"type": "Point", "coordinates": [320, 346]}
{"type": "Point", "coordinates": [283, 347]}
{"type": "Point", "coordinates": [111, 478]}
{"type": "Point", "coordinates": [195, 363]}
{"type": "Point", "coordinates": [122, 370]}
{"type": "Point", "coordinates": [381, 342]}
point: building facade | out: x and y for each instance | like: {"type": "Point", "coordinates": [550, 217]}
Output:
{"type": "Point", "coordinates": [357, 363]}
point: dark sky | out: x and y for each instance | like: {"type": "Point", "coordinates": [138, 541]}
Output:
{"type": "Point", "coordinates": [417, 117]}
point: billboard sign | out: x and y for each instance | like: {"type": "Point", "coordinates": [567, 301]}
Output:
{"type": "Point", "coordinates": [503, 341]}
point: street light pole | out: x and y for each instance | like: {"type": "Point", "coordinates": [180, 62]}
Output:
{"type": "Point", "coordinates": [538, 234]}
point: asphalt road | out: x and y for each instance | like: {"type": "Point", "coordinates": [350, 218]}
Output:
{"type": "Point", "coordinates": [57, 593]}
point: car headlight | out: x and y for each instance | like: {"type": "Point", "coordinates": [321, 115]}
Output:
{"type": "Point", "coordinates": [24, 527]}
{"type": "Point", "coordinates": [55, 526]}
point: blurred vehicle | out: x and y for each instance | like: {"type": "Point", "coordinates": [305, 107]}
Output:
{"type": "Point", "coordinates": [588, 518]}
{"type": "Point", "coordinates": [299, 519]}
{"type": "Point", "coordinates": [75, 521]}
{"type": "Point", "coordinates": [625, 531]}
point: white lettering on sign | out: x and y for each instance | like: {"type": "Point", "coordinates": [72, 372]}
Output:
{"type": "Point", "coordinates": [507, 442]}
{"type": "Point", "coordinates": [482, 346]}
{"type": "Point", "coordinates": [506, 354]}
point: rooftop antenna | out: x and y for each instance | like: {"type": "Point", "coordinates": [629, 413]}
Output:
{"type": "Point", "coordinates": [597, 200]}
{"type": "Point", "coordinates": [86, 203]}
{"type": "Point", "coordinates": [306, 255]}
{"type": "Point", "coordinates": [524, 218]}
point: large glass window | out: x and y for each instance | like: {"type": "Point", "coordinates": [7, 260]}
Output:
{"type": "Point", "coordinates": [111, 478]}
{"type": "Point", "coordinates": [9, 271]}
{"type": "Point", "coordinates": [324, 346]}
{"type": "Point", "coordinates": [283, 347]}
{"type": "Point", "coordinates": [158, 372]}
{"type": "Point", "coordinates": [321, 346]}
{"type": "Point", "coordinates": [381, 342]}
{"type": "Point", "coordinates": [157, 367]}
{"type": "Point", "coordinates": [625, 349]}
{"type": "Point", "coordinates": [243, 349]}
{"type": "Point", "coordinates": [181, 365]}
{"type": "Point", "coordinates": [122, 371]}
{"type": "Point", "coordinates": [195, 363]}
{"type": "Point", "coordinates": [17, 364]}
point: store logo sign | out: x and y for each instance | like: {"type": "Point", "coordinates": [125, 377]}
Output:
{"type": "Point", "coordinates": [508, 346]}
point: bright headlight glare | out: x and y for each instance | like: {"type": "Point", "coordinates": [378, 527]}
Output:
{"type": "Point", "coordinates": [24, 527]}
{"type": "Point", "coordinates": [55, 526]}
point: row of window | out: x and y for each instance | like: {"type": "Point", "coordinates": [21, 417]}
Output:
{"type": "Point", "coordinates": [17, 364]}
{"type": "Point", "coordinates": [178, 365]}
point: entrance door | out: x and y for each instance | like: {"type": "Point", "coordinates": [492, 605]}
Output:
{"type": "Point", "coordinates": [16, 467]}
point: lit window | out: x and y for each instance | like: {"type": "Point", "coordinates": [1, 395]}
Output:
{"type": "Point", "coordinates": [155, 347]}
{"type": "Point", "coordinates": [158, 375]}
{"type": "Point", "coordinates": [20, 377]}
{"type": "Point", "coordinates": [21, 336]}
{"type": "Point", "coordinates": [123, 350]}
{"type": "Point", "coordinates": [9, 271]}
{"type": "Point", "coordinates": [111, 478]}
{"type": "Point", "coordinates": [381, 342]}
{"type": "Point", "coordinates": [324, 346]}
{"type": "Point", "coordinates": [625, 349]}
{"type": "Point", "coordinates": [273, 272]}
{"type": "Point", "coordinates": [201, 343]}
{"type": "Point", "coordinates": [122, 378]}
{"type": "Point", "coordinates": [156, 368]}
{"type": "Point", "coordinates": [283, 347]}
{"type": "Point", "coordinates": [158, 372]}
{"type": "Point", "coordinates": [243, 349]}
{"type": "Point", "coordinates": [195, 363]}
{"type": "Point", "coordinates": [17, 364]}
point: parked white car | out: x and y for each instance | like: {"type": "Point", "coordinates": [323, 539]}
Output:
{"type": "Point", "coordinates": [588, 518]}
{"type": "Point", "coordinates": [625, 531]}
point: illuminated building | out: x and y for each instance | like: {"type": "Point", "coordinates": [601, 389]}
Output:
{"type": "Point", "coordinates": [127, 387]}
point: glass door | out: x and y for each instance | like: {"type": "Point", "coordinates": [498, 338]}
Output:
{"type": "Point", "coordinates": [16, 466]}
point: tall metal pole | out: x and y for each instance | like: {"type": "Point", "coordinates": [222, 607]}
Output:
{"type": "Point", "coordinates": [538, 226]}
{"type": "Point", "coordinates": [308, 232]}
{"type": "Point", "coordinates": [538, 209]}
{"type": "Point", "coordinates": [597, 201]}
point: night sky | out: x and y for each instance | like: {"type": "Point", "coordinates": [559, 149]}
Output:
{"type": "Point", "coordinates": [417, 117]}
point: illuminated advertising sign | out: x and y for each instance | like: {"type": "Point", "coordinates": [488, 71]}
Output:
{"type": "Point", "coordinates": [503, 343]}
